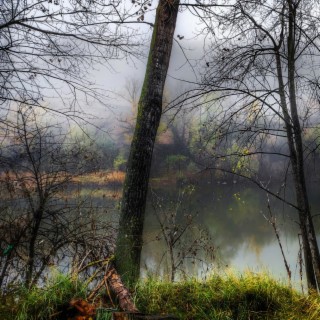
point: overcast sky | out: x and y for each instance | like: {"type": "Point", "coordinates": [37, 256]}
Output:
{"type": "Point", "coordinates": [113, 78]}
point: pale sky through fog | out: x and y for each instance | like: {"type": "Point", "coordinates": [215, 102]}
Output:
{"type": "Point", "coordinates": [113, 78]}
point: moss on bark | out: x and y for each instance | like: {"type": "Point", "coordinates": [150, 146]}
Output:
{"type": "Point", "coordinates": [129, 241]}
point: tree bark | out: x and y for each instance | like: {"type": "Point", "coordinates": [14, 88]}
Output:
{"type": "Point", "coordinates": [123, 295]}
{"type": "Point", "coordinates": [298, 167]}
{"type": "Point", "coordinates": [293, 160]}
{"type": "Point", "coordinates": [129, 240]}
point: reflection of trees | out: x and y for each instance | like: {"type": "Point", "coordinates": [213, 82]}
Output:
{"type": "Point", "coordinates": [182, 240]}
{"type": "Point", "coordinates": [233, 216]}
{"type": "Point", "coordinates": [236, 217]}
{"type": "Point", "coordinates": [260, 57]}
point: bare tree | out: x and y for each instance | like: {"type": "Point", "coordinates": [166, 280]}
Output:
{"type": "Point", "coordinates": [48, 46]}
{"type": "Point", "coordinates": [40, 225]}
{"type": "Point", "coordinates": [262, 64]}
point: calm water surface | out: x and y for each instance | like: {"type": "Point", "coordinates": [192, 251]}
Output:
{"type": "Point", "coordinates": [235, 214]}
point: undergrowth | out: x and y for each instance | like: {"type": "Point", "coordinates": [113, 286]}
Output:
{"type": "Point", "coordinates": [40, 302]}
{"type": "Point", "coordinates": [249, 296]}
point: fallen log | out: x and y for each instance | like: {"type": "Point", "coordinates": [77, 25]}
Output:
{"type": "Point", "coordinates": [129, 311]}
{"type": "Point", "coordinates": [122, 293]}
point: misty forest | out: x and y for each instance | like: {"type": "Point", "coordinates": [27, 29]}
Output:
{"type": "Point", "coordinates": [159, 159]}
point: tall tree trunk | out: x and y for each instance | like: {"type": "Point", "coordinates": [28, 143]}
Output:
{"type": "Point", "coordinates": [300, 183]}
{"type": "Point", "coordinates": [129, 241]}
{"type": "Point", "coordinates": [311, 280]}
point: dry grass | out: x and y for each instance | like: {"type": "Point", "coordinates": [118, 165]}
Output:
{"type": "Point", "coordinates": [101, 178]}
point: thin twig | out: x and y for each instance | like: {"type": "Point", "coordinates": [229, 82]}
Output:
{"type": "Point", "coordinates": [272, 221]}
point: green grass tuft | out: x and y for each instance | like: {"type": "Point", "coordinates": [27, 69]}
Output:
{"type": "Point", "coordinates": [41, 303]}
{"type": "Point", "coordinates": [230, 297]}
{"type": "Point", "coordinates": [249, 296]}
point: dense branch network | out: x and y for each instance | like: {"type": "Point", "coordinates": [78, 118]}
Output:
{"type": "Point", "coordinates": [48, 46]}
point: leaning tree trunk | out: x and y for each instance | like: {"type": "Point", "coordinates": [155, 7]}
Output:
{"type": "Point", "coordinates": [129, 241]}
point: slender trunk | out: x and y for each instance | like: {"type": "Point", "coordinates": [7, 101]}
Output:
{"type": "Point", "coordinates": [311, 280]}
{"type": "Point", "coordinates": [301, 188]}
{"type": "Point", "coordinates": [32, 247]}
{"type": "Point", "coordinates": [173, 267]}
{"type": "Point", "coordinates": [129, 241]}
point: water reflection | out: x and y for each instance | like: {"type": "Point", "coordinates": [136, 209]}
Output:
{"type": "Point", "coordinates": [236, 217]}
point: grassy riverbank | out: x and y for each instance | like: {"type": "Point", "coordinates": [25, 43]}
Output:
{"type": "Point", "coordinates": [248, 296]}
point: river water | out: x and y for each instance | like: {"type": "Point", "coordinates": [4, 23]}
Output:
{"type": "Point", "coordinates": [236, 216]}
